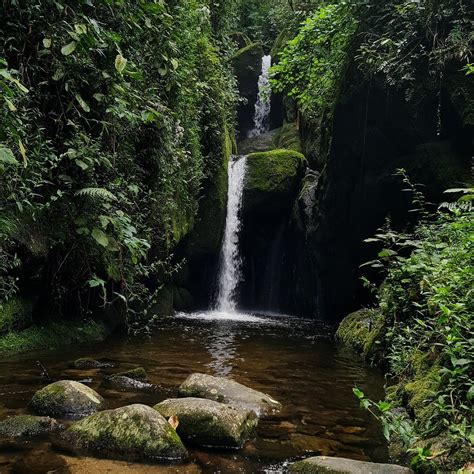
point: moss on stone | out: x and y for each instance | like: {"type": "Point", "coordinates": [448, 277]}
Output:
{"type": "Point", "coordinates": [51, 336]}
{"type": "Point", "coordinates": [137, 374]}
{"type": "Point", "coordinates": [28, 425]}
{"type": "Point", "coordinates": [272, 180]}
{"type": "Point", "coordinates": [287, 137]}
{"type": "Point", "coordinates": [135, 432]}
{"type": "Point", "coordinates": [66, 398]}
{"type": "Point", "coordinates": [362, 331]}
{"type": "Point", "coordinates": [420, 392]}
{"type": "Point", "coordinates": [15, 314]}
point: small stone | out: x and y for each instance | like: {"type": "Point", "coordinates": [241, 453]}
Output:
{"type": "Point", "coordinates": [325, 464]}
{"type": "Point", "coordinates": [85, 363]}
{"type": "Point", "coordinates": [28, 426]}
{"type": "Point", "coordinates": [208, 423]}
{"type": "Point", "coordinates": [133, 433]}
{"type": "Point", "coordinates": [66, 398]}
{"type": "Point", "coordinates": [126, 383]}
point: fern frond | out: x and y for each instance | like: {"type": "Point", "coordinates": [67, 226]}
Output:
{"type": "Point", "coordinates": [96, 193]}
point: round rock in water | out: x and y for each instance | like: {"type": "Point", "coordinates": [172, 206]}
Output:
{"type": "Point", "coordinates": [341, 465]}
{"type": "Point", "coordinates": [66, 398]}
{"type": "Point", "coordinates": [228, 391]}
{"type": "Point", "coordinates": [133, 433]}
{"type": "Point", "coordinates": [28, 426]}
{"type": "Point", "coordinates": [209, 423]}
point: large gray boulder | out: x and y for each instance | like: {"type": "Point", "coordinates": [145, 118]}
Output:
{"type": "Point", "coordinates": [134, 433]}
{"type": "Point", "coordinates": [228, 391]}
{"type": "Point", "coordinates": [28, 426]}
{"type": "Point", "coordinates": [66, 398]}
{"type": "Point", "coordinates": [208, 423]}
{"type": "Point", "coordinates": [323, 464]}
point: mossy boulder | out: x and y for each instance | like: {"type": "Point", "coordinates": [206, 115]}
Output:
{"type": "Point", "coordinates": [66, 398]}
{"type": "Point", "coordinates": [85, 363]}
{"type": "Point", "coordinates": [28, 426]}
{"type": "Point", "coordinates": [272, 180]}
{"type": "Point", "coordinates": [134, 433]}
{"type": "Point", "coordinates": [139, 373]}
{"type": "Point", "coordinates": [228, 391]}
{"type": "Point", "coordinates": [324, 464]}
{"type": "Point", "coordinates": [15, 315]}
{"type": "Point", "coordinates": [209, 423]}
{"type": "Point", "coordinates": [287, 137]}
{"type": "Point", "coordinates": [247, 64]}
{"type": "Point", "coordinates": [363, 332]}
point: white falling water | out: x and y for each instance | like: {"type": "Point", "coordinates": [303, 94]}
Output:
{"type": "Point", "coordinates": [231, 262]}
{"type": "Point", "coordinates": [263, 105]}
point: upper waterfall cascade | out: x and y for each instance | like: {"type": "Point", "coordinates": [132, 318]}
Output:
{"type": "Point", "coordinates": [231, 261]}
{"type": "Point", "coordinates": [263, 105]}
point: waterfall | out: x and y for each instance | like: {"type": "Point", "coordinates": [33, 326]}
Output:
{"type": "Point", "coordinates": [263, 105]}
{"type": "Point", "coordinates": [231, 262]}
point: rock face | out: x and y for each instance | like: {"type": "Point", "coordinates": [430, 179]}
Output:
{"type": "Point", "coordinates": [228, 391]}
{"type": "Point", "coordinates": [66, 398]}
{"type": "Point", "coordinates": [28, 426]}
{"type": "Point", "coordinates": [134, 432]}
{"type": "Point", "coordinates": [322, 464]}
{"type": "Point", "coordinates": [209, 423]}
{"type": "Point", "coordinates": [273, 178]}
{"type": "Point", "coordinates": [247, 63]}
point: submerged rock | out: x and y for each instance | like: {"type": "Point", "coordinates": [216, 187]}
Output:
{"type": "Point", "coordinates": [134, 432]}
{"type": "Point", "coordinates": [89, 363]}
{"type": "Point", "coordinates": [136, 374]}
{"type": "Point", "coordinates": [28, 425]}
{"type": "Point", "coordinates": [126, 383]}
{"type": "Point", "coordinates": [230, 392]}
{"type": "Point", "coordinates": [209, 423]}
{"type": "Point", "coordinates": [321, 464]}
{"type": "Point", "coordinates": [66, 398]}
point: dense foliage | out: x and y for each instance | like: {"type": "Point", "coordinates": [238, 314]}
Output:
{"type": "Point", "coordinates": [112, 116]}
{"type": "Point", "coordinates": [426, 304]}
{"type": "Point", "coordinates": [409, 44]}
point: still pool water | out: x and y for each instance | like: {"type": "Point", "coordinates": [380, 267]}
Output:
{"type": "Point", "coordinates": [293, 360]}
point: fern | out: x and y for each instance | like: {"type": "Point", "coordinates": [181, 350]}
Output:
{"type": "Point", "coordinates": [96, 193]}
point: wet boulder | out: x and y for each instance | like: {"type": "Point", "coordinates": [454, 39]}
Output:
{"type": "Point", "coordinates": [85, 363]}
{"type": "Point", "coordinates": [138, 373]}
{"type": "Point", "coordinates": [320, 464]}
{"type": "Point", "coordinates": [228, 391]}
{"type": "Point", "coordinates": [208, 423]}
{"type": "Point", "coordinates": [66, 398]}
{"type": "Point", "coordinates": [273, 180]}
{"type": "Point", "coordinates": [126, 383]}
{"type": "Point", "coordinates": [134, 433]}
{"type": "Point", "coordinates": [28, 426]}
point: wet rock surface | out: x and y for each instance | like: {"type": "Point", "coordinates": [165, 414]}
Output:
{"type": "Point", "coordinates": [208, 423]}
{"type": "Point", "coordinates": [85, 363]}
{"type": "Point", "coordinates": [135, 433]}
{"type": "Point", "coordinates": [322, 464]}
{"type": "Point", "coordinates": [66, 398]}
{"type": "Point", "coordinates": [228, 391]}
{"type": "Point", "coordinates": [28, 426]}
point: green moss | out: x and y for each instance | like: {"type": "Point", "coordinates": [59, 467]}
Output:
{"type": "Point", "coordinates": [136, 374]}
{"type": "Point", "coordinates": [51, 336]}
{"type": "Point", "coordinates": [27, 425]}
{"type": "Point", "coordinates": [132, 432]}
{"type": "Point", "coordinates": [362, 331]}
{"type": "Point", "coordinates": [15, 314]}
{"type": "Point", "coordinates": [273, 179]}
{"type": "Point", "coordinates": [288, 137]}
{"type": "Point", "coordinates": [420, 392]}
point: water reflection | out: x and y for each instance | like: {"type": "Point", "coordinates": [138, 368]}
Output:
{"type": "Point", "coordinates": [222, 348]}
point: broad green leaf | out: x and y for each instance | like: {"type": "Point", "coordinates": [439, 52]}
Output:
{"type": "Point", "coordinates": [175, 63]}
{"type": "Point", "coordinates": [120, 63]}
{"type": "Point", "coordinates": [100, 237]}
{"type": "Point", "coordinates": [23, 153]}
{"type": "Point", "coordinates": [7, 157]}
{"type": "Point", "coordinates": [84, 105]}
{"type": "Point", "coordinates": [358, 393]}
{"type": "Point", "coordinates": [10, 105]}
{"type": "Point", "coordinates": [69, 48]}
{"type": "Point", "coordinates": [47, 43]}
{"type": "Point", "coordinates": [81, 164]}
